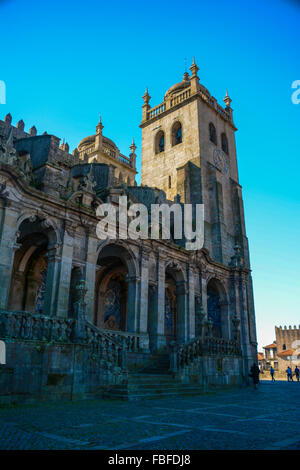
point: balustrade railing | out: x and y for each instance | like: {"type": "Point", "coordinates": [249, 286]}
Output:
{"type": "Point", "coordinates": [124, 159]}
{"type": "Point", "coordinates": [156, 110]}
{"type": "Point", "coordinates": [184, 354]}
{"type": "Point", "coordinates": [181, 97]}
{"type": "Point", "coordinates": [106, 346]}
{"type": "Point", "coordinates": [28, 326]}
{"type": "Point", "coordinates": [130, 340]}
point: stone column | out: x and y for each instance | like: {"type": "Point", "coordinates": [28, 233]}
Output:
{"type": "Point", "coordinates": [242, 315]}
{"type": "Point", "coordinates": [143, 318]}
{"type": "Point", "coordinates": [182, 317]}
{"type": "Point", "coordinates": [132, 310]}
{"type": "Point", "coordinates": [7, 249]}
{"type": "Point", "coordinates": [53, 269]}
{"type": "Point", "coordinates": [64, 281]}
{"type": "Point", "coordinates": [90, 276]}
{"type": "Point", "coordinates": [158, 339]}
{"type": "Point", "coordinates": [191, 304]}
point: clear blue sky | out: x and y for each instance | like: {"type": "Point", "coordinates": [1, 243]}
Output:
{"type": "Point", "coordinates": [66, 61]}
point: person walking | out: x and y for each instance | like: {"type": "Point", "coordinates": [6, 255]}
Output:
{"type": "Point", "coordinates": [289, 374]}
{"type": "Point", "coordinates": [297, 373]}
{"type": "Point", "coordinates": [272, 372]}
{"type": "Point", "coordinates": [254, 373]}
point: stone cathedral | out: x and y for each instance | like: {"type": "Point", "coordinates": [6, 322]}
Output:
{"type": "Point", "coordinates": [130, 319]}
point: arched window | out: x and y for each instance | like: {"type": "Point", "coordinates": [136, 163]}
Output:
{"type": "Point", "coordinates": [284, 347]}
{"type": "Point", "coordinates": [212, 133]}
{"type": "Point", "coordinates": [160, 142]}
{"type": "Point", "coordinates": [176, 133]}
{"type": "Point", "coordinates": [224, 143]}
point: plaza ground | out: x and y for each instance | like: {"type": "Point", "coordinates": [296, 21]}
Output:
{"type": "Point", "coordinates": [232, 419]}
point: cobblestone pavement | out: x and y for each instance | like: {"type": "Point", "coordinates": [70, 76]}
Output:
{"type": "Point", "coordinates": [233, 419]}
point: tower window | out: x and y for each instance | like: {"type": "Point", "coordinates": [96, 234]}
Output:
{"type": "Point", "coordinates": [159, 142]}
{"type": "Point", "coordinates": [176, 133]}
{"type": "Point", "coordinates": [224, 143]}
{"type": "Point", "coordinates": [212, 133]}
{"type": "Point", "coordinates": [170, 182]}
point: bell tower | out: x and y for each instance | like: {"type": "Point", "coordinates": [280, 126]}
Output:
{"type": "Point", "coordinates": [188, 149]}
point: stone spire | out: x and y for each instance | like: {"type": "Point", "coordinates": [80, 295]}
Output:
{"type": "Point", "coordinates": [99, 137]}
{"type": "Point", "coordinates": [146, 106]}
{"type": "Point", "coordinates": [227, 100]}
{"type": "Point", "coordinates": [194, 78]}
{"type": "Point", "coordinates": [33, 131]}
{"type": "Point", "coordinates": [132, 154]}
{"type": "Point", "coordinates": [194, 68]}
{"type": "Point", "coordinates": [8, 118]}
{"type": "Point", "coordinates": [99, 126]}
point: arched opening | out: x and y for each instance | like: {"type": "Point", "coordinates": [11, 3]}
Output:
{"type": "Point", "coordinates": [217, 309]}
{"type": "Point", "coordinates": [115, 289]}
{"type": "Point", "coordinates": [176, 133]}
{"type": "Point", "coordinates": [224, 143]}
{"type": "Point", "coordinates": [30, 280]}
{"type": "Point", "coordinates": [159, 145]}
{"type": "Point", "coordinates": [212, 133]}
{"type": "Point", "coordinates": [283, 347]}
{"type": "Point", "coordinates": [175, 304]}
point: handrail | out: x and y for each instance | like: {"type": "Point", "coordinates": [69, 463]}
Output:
{"type": "Point", "coordinates": [182, 355]}
{"type": "Point", "coordinates": [31, 326]}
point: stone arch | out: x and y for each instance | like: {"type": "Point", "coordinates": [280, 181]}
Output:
{"type": "Point", "coordinates": [176, 133]}
{"type": "Point", "coordinates": [45, 220]}
{"type": "Point", "coordinates": [116, 287]}
{"type": "Point", "coordinates": [30, 282]}
{"type": "Point", "coordinates": [159, 142]}
{"type": "Point", "coordinates": [218, 308]}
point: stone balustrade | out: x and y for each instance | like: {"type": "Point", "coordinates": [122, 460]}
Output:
{"type": "Point", "coordinates": [130, 340]}
{"type": "Point", "coordinates": [153, 112]}
{"type": "Point", "coordinates": [180, 97]}
{"type": "Point", "coordinates": [37, 327]}
{"type": "Point", "coordinates": [124, 159]}
{"type": "Point", "coordinates": [30, 326]}
{"type": "Point", "coordinates": [106, 346]}
{"type": "Point", "coordinates": [184, 354]}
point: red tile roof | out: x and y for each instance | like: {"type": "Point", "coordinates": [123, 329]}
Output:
{"type": "Point", "coordinates": [270, 346]}
{"type": "Point", "coordinates": [287, 352]}
{"type": "Point", "coordinates": [260, 356]}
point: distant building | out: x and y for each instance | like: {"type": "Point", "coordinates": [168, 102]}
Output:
{"type": "Point", "coordinates": [288, 341]}
{"type": "Point", "coordinates": [271, 356]}
{"type": "Point", "coordinates": [261, 360]}
{"type": "Point", "coordinates": [283, 352]}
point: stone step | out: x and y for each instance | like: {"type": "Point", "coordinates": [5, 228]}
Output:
{"type": "Point", "coordinates": [165, 393]}
{"type": "Point", "coordinates": [155, 386]}
{"type": "Point", "coordinates": [150, 378]}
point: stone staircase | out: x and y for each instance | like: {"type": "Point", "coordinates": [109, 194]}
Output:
{"type": "Point", "coordinates": [153, 381]}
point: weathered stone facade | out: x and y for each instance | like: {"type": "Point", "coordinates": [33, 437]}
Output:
{"type": "Point", "coordinates": [79, 314]}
